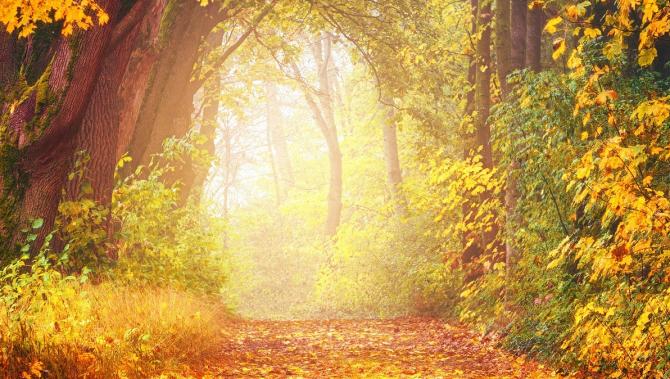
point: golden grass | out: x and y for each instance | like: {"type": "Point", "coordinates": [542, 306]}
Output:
{"type": "Point", "coordinates": [109, 331]}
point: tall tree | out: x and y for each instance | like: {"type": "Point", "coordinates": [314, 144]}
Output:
{"type": "Point", "coordinates": [503, 43]}
{"type": "Point", "coordinates": [468, 134]}
{"type": "Point", "coordinates": [534, 20]}
{"type": "Point", "coordinates": [518, 46]}
{"type": "Point", "coordinates": [393, 170]}
{"type": "Point", "coordinates": [483, 105]}
{"type": "Point", "coordinates": [519, 10]}
{"type": "Point", "coordinates": [483, 84]}
{"type": "Point", "coordinates": [278, 143]}
{"type": "Point", "coordinates": [193, 177]}
{"type": "Point", "coordinates": [320, 102]}
{"type": "Point", "coordinates": [42, 130]}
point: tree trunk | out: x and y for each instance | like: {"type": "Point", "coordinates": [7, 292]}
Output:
{"type": "Point", "coordinates": [322, 53]}
{"type": "Point", "coordinates": [468, 135]}
{"type": "Point", "coordinates": [193, 177]}
{"type": "Point", "coordinates": [503, 44]}
{"type": "Point", "coordinates": [518, 33]}
{"type": "Point", "coordinates": [325, 119]}
{"type": "Point", "coordinates": [393, 170]}
{"type": "Point", "coordinates": [167, 107]}
{"type": "Point", "coordinates": [7, 60]}
{"type": "Point", "coordinates": [518, 17]}
{"type": "Point", "coordinates": [483, 86]}
{"type": "Point", "coordinates": [99, 133]}
{"type": "Point", "coordinates": [483, 107]}
{"type": "Point", "coordinates": [46, 158]}
{"type": "Point", "coordinates": [106, 90]}
{"type": "Point", "coordinates": [534, 19]}
{"type": "Point", "coordinates": [228, 177]}
{"type": "Point", "coordinates": [278, 143]}
{"type": "Point", "coordinates": [275, 175]}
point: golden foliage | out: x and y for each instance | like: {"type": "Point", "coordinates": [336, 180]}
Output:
{"type": "Point", "coordinates": [25, 16]}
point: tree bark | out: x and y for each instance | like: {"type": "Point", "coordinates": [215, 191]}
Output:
{"type": "Point", "coordinates": [518, 33]}
{"type": "Point", "coordinates": [469, 135]}
{"type": "Point", "coordinates": [534, 19]}
{"type": "Point", "coordinates": [105, 90]}
{"type": "Point", "coordinates": [503, 44]}
{"type": "Point", "coordinates": [7, 61]}
{"type": "Point", "coordinates": [193, 177]}
{"type": "Point", "coordinates": [46, 158]}
{"type": "Point", "coordinates": [483, 86]}
{"type": "Point", "coordinates": [167, 107]}
{"type": "Point", "coordinates": [322, 54]}
{"type": "Point", "coordinates": [483, 107]}
{"type": "Point", "coordinates": [99, 133]}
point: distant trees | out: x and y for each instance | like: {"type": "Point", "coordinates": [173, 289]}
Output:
{"type": "Point", "coordinates": [278, 144]}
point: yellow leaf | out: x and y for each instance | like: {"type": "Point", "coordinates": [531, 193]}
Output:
{"type": "Point", "coordinates": [647, 56]}
{"type": "Point", "coordinates": [559, 48]}
{"type": "Point", "coordinates": [592, 32]}
{"type": "Point", "coordinates": [551, 25]}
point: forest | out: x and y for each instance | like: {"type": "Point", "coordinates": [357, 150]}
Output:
{"type": "Point", "coordinates": [334, 189]}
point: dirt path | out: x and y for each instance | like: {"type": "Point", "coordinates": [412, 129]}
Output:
{"type": "Point", "coordinates": [402, 348]}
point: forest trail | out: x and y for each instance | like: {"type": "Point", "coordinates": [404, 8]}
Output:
{"type": "Point", "coordinates": [398, 348]}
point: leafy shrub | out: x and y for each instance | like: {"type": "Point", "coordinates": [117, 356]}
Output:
{"type": "Point", "coordinates": [590, 288]}
{"type": "Point", "coordinates": [59, 326]}
{"type": "Point", "coordinates": [163, 243]}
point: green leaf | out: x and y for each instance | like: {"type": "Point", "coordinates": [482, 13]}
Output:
{"type": "Point", "coordinates": [37, 223]}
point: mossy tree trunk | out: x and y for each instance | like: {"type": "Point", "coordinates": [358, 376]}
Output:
{"type": "Point", "coordinates": [44, 118]}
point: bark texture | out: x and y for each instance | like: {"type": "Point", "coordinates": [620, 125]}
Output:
{"type": "Point", "coordinates": [46, 157]}
{"type": "Point", "coordinates": [518, 34]}
{"type": "Point", "coordinates": [167, 107]}
{"type": "Point", "coordinates": [483, 108]}
{"type": "Point", "coordinates": [503, 44]}
{"type": "Point", "coordinates": [534, 20]}
{"type": "Point", "coordinates": [519, 9]}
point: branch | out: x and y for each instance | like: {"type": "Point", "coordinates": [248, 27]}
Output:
{"type": "Point", "coordinates": [316, 112]}
{"type": "Point", "coordinates": [232, 48]}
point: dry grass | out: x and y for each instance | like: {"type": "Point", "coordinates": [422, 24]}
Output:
{"type": "Point", "coordinates": [109, 331]}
